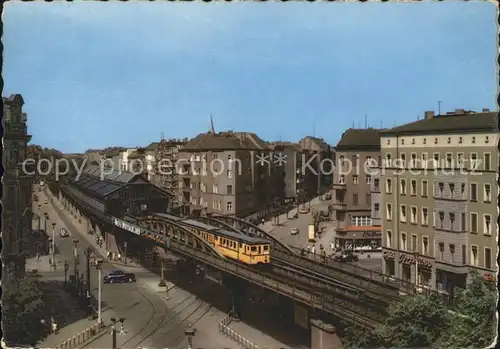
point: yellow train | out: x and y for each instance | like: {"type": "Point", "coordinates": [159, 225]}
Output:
{"type": "Point", "coordinates": [246, 249]}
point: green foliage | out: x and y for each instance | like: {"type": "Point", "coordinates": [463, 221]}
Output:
{"type": "Point", "coordinates": [419, 321]}
{"type": "Point", "coordinates": [472, 322]}
{"type": "Point", "coordinates": [23, 309]}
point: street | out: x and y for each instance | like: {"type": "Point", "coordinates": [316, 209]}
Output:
{"type": "Point", "coordinates": [153, 318]}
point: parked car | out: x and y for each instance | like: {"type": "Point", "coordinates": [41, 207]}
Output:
{"type": "Point", "coordinates": [294, 231]}
{"type": "Point", "coordinates": [304, 210]}
{"type": "Point", "coordinates": [346, 257]}
{"type": "Point", "coordinates": [46, 202]}
{"type": "Point", "coordinates": [119, 277]}
{"type": "Point", "coordinates": [63, 233]}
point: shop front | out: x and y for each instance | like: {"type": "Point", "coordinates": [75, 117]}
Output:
{"type": "Point", "coordinates": [359, 239]}
{"type": "Point", "coordinates": [415, 264]}
{"type": "Point", "coordinates": [449, 277]}
{"type": "Point", "coordinates": [388, 266]}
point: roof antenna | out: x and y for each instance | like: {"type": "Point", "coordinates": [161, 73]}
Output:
{"type": "Point", "coordinates": [366, 121]}
{"type": "Point", "coordinates": [439, 107]}
{"type": "Point", "coordinates": [418, 117]}
{"type": "Point", "coordinates": [212, 129]}
{"type": "Point", "coordinates": [353, 124]}
{"type": "Point", "coordinates": [381, 124]}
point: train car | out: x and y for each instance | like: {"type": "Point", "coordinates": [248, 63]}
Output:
{"type": "Point", "coordinates": [246, 249]}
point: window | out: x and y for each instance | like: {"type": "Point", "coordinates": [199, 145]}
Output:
{"type": "Point", "coordinates": [402, 217]}
{"type": "Point", "coordinates": [388, 186]}
{"type": "Point", "coordinates": [229, 190]}
{"type": "Point", "coordinates": [487, 258]}
{"type": "Point", "coordinates": [464, 254]}
{"type": "Point", "coordinates": [441, 189]}
{"type": "Point", "coordinates": [452, 252]}
{"type": "Point", "coordinates": [229, 206]}
{"type": "Point", "coordinates": [388, 212]}
{"type": "Point", "coordinates": [487, 193]}
{"type": "Point", "coordinates": [486, 139]}
{"type": "Point", "coordinates": [388, 159]}
{"type": "Point", "coordinates": [460, 160]}
{"type": "Point", "coordinates": [413, 159]}
{"type": "Point", "coordinates": [414, 246]}
{"type": "Point", "coordinates": [402, 141]}
{"type": "Point", "coordinates": [435, 140]}
{"type": "Point", "coordinates": [487, 161]}
{"type": "Point", "coordinates": [376, 207]}
{"type": "Point", "coordinates": [441, 250]}
{"type": "Point", "coordinates": [355, 199]}
{"type": "Point", "coordinates": [229, 157]}
{"type": "Point", "coordinates": [341, 158]}
{"type": "Point", "coordinates": [460, 140]}
{"type": "Point", "coordinates": [355, 179]}
{"type": "Point", "coordinates": [219, 205]}
{"type": "Point", "coordinates": [361, 221]}
{"type": "Point", "coordinates": [449, 140]}
{"type": "Point", "coordinates": [452, 188]}
{"type": "Point", "coordinates": [368, 199]}
{"type": "Point", "coordinates": [214, 204]}
{"type": "Point", "coordinates": [424, 160]}
{"type": "Point", "coordinates": [403, 187]}
{"type": "Point", "coordinates": [473, 222]}
{"type": "Point", "coordinates": [424, 188]}
{"type": "Point", "coordinates": [473, 161]}
{"type": "Point", "coordinates": [403, 159]}
{"type": "Point", "coordinates": [462, 188]}
{"type": "Point", "coordinates": [487, 224]}
{"type": "Point", "coordinates": [215, 189]}
{"type": "Point", "coordinates": [474, 259]}
{"type": "Point", "coordinates": [376, 184]}
{"type": "Point", "coordinates": [452, 220]}
{"type": "Point", "coordinates": [413, 217]}
{"type": "Point", "coordinates": [389, 238]}
{"type": "Point", "coordinates": [463, 222]}
{"type": "Point", "coordinates": [229, 174]}
{"type": "Point", "coordinates": [215, 156]}
{"type": "Point", "coordinates": [425, 216]}
{"type": "Point", "coordinates": [473, 140]}
{"type": "Point", "coordinates": [441, 219]}
{"type": "Point", "coordinates": [368, 179]}
{"type": "Point", "coordinates": [341, 179]}
{"type": "Point", "coordinates": [449, 157]}
{"type": "Point", "coordinates": [354, 160]}
{"type": "Point", "coordinates": [403, 241]}
{"type": "Point", "coordinates": [425, 245]}
{"type": "Point", "coordinates": [436, 159]}
{"type": "Point", "coordinates": [473, 192]}
{"type": "Point", "coordinates": [424, 141]}
{"type": "Point", "coordinates": [413, 188]}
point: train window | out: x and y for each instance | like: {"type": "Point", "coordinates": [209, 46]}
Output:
{"type": "Point", "coordinates": [266, 248]}
{"type": "Point", "coordinates": [254, 249]}
{"type": "Point", "coordinates": [241, 245]}
{"type": "Point", "coordinates": [260, 250]}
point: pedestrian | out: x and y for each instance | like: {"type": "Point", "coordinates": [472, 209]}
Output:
{"type": "Point", "coordinates": [53, 325]}
{"type": "Point", "coordinates": [119, 257]}
{"type": "Point", "coordinates": [313, 249]}
{"type": "Point", "coordinates": [308, 248]}
{"type": "Point", "coordinates": [38, 257]}
{"type": "Point", "coordinates": [332, 246]}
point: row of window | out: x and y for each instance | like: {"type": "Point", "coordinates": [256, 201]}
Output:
{"type": "Point", "coordinates": [459, 140]}
{"type": "Point", "coordinates": [439, 218]}
{"type": "Point", "coordinates": [448, 162]}
{"type": "Point", "coordinates": [361, 221]}
{"type": "Point", "coordinates": [473, 194]}
{"type": "Point", "coordinates": [355, 199]}
{"type": "Point", "coordinates": [439, 249]}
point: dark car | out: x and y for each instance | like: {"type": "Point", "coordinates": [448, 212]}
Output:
{"type": "Point", "coordinates": [119, 277]}
{"type": "Point", "coordinates": [346, 257]}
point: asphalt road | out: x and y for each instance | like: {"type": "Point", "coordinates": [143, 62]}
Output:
{"type": "Point", "coordinates": [150, 319]}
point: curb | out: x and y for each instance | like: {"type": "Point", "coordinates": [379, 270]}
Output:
{"type": "Point", "coordinates": [82, 337]}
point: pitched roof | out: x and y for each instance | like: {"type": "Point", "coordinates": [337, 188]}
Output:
{"type": "Point", "coordinates": [123, 177]}
{"type": "Point", "coordinates": [225, 141]}
{"type": "Point", "coordinates": [285, 145]}
{"type": "Point", "coordinates": [153, 146]}
{"type": "Point", "coordinates": [360, 138]}
{"type": "Point", "coordinates": [450, 123]}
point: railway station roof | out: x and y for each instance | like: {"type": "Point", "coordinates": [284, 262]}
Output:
{"type": "Point", "coordinates": [95, 187]}
{"type": "Point", "coordinates": [124, 177]}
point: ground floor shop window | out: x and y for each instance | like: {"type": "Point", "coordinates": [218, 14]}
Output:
{"type": "Point", "coordinates": [406, 273]}
{"type": "Point", "coordinates": [389, 267]}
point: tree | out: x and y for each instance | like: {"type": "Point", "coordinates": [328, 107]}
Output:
{"type": "Point", "coordinates": [23, 309]}
{"type": "Point", "coordinates": [472, 322]}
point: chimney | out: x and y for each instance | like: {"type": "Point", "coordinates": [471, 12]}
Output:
{"type": "Point", "coordinates": [429, 114]}
{"type": "Point", "coordinates": [459, 111]}
{"type": "Point", "coordinates": [485, 110]}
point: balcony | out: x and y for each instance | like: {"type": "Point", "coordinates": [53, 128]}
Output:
{"type": "Point", "coordinates": [339, 186]}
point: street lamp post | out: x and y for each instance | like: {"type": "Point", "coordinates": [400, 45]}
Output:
{"type": "Point", "coordinates": [99, 315]}
{"type": "Point", "coordinates": [162, 277]}
{"type": "Point", "coordinates": [190, 333]}
{"type": "Point", "coordinates": [125, 252]}
{"type": "Point", "coordinates": [75, 255]}
{"type": "Point", "coordinates": [66, 268]}
{"type": "Point", "coordinates": [113, 330]}
{"type": "Point", "coordinates": [54, 245]}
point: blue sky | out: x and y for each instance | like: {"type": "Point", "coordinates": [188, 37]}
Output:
{"type": "Point", "coordinates": [100, 74]}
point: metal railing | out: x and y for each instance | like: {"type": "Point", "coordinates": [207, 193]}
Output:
{"type": "Point", "coordinates": [233, 335]}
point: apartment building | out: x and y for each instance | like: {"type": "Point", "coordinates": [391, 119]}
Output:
{"type": "Point", "coordinates": [227, 173]}
{"type": "Point", "coordinates": [320, 155]}
{"type": "Point", "coordinates": [357, 151]}
{"type": "Point", "coordinates": [440, 198]}
{"type": "Point", "coordinates": [166, 157]}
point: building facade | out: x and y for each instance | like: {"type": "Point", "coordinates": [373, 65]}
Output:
{"type": "Point", "coordinates": [227, 173]}
{"type": "Point", "coordinates": [357, 151]}
{"type": "Point", "coordinates": [439, 198]}
{"type": "Point", "coordinates": [17, 194]}
{"type": "Point", "coordinates": [166, 158]}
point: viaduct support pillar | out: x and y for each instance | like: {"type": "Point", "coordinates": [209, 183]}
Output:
{"type": "Point", "coordinates": [324, 336]}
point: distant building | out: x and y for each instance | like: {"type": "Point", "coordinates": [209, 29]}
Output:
{"type": "Point", "coordinates": [17, 193]}
{"type": "Point", "coordinates": [228, 173]}
{"type": "Point", "coordinates": [439, 202]}
{"type": "Point", "coordinates": [320, 155]}
{"type": "Point", "coordinates": [352, 181]}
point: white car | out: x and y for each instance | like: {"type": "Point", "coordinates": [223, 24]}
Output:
{"type": "Point", "coordinates": [294, 231]}
{"type": "Point", "coordinates": [63, 233]}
